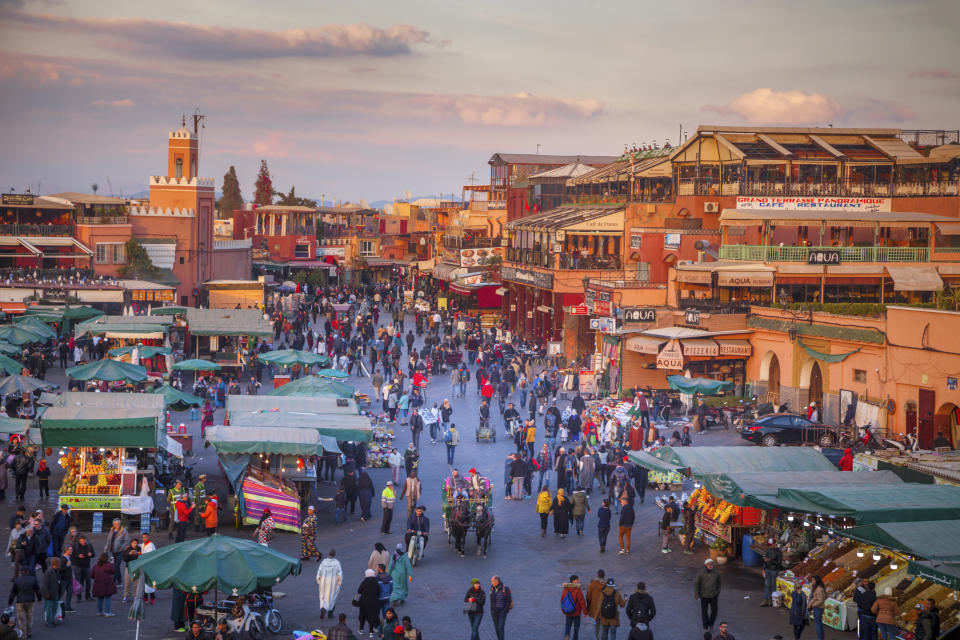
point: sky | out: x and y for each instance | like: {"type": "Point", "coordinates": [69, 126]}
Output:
{"type": "Point", "coordinates": [372, 99]}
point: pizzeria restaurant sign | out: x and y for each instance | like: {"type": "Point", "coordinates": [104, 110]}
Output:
{"type": "Point", "coordinates": [813, 203]}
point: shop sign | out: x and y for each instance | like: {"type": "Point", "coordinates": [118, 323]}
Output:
{"type": "Point", "coordinates": [474, 279]}
{"type": "Point", "coordinates": [826, 256]}
{"type": "Point", "coordinates": [601, 307]}
{"type": "Point", "coordinates": [714, 528]}
{"type": "Point", "coordinates": [92, 503]}
{"type": "Point", "coordinates": [22, 199]}
{"type": "Point", "coordinates": [671, 356]}
{"type": "Point", "coordinates": [336, 252]}
{"type": "Point", "coordinates": [553, 348]}
{"type": "Point", "coordinates": [603, 295]}
{"type": "Point", "coordinates": [735, 349]}
{"type": "Point", "coordinates": [513, 307]}
{"type": "Point", "coordinates": [745, 279]}
{"type": "Point", "coordinates": [588, 382]}
{"type": "Point", "coordinates": [671, 241]}
{"type": "Point", "coordinates": [814, 203]}
{"type": "Point", "coordinates": [636, 240]}
{"type": "Point", "coordinates": [471, 257]}
{"type": "Point", "coordinates": [525, 276]}
{"type": "Point", "coordinates": [700, 348]}
{"type": "Point", "coordinates": [579, 310]}
{"type": "Point", "coordinates": [639, 314]}
{"type": "Point", "coordinates": [603, 325]}
{"type": "Point", "coordinates": [691, 316]}
{"type": "Point", "coordinates": [610, 222]}
{"type": "Point", "coordinates": [951, 383]}
{"type": "Point", "coordinates": [529, 314]}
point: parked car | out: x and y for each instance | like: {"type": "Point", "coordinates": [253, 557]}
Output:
{"type": "Point", "coordinates": [788, 428]}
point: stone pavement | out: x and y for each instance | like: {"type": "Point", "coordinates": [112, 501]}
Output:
{"type": "Point", "coordinates": [534, 568]}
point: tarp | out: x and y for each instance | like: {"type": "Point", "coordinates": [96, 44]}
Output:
{"type": "Point", "coordinates": [314, 386]}
{"type": "Point", "coordinates": [252, 440]}
{"type": "Point", "coordinates": [945, 573]}
{"type": "Point", "coordinates": [110, 370]}
{"type": "Point", "coordinates": [697, 461]}
{"type": "Point", "coordinates": [744, 489]}
{"type": "Point", "coordinates": [228, 322]}
{"type": "Point", "coordinates": [867, 505]}
{"type": "Point", "coordinates": [168, 311]}
{"type": "Point", "coordinates": [15, 334]}
{"type": "Point", "coordinates": [289, 357]}
{"type": "Point", "coordinates": [11, 426]}
{"type": "Point", "coordinates": [704, 386]}
{"type": "Point", "coordinates": [340, 426]}
{"type": "Point", "coordinates": [9, 365]}
{"type": "Point", "coordinates": [929, 539]}
{"type": "Point", "coordinates": [145, 327]}
{"type": "Point", "coordinates": [654, 463]}
{"type": "Point", "coordinates": [914, 277]}
{"type": "Point", "coordinates": [302, 404]}
{"type": "Point", "coordinates": [66, 427]}
{"type": "Point", "coordinates": [145, 351]}
{"type": "Point", "coordinates": [827, 357]}
{"type": "Point", "coordinates": [177, 399]}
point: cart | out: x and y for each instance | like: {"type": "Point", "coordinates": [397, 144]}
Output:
{"type": "Point", "coordinates": [476, 506]}
{"type": "Point", "coordinates": [486, 431]}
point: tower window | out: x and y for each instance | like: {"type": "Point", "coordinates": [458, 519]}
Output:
{"type": "Point", "coordinates": [179, 169]}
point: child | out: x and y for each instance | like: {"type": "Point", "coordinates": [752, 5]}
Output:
{"type": "Point", "coordinates": [43, 476]}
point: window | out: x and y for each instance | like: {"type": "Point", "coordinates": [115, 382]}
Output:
{"type": "Point", "coordinates": [102, 251]}
{"type": "Point", "coordinates": [366, 248]}
{"type": "Point", "coordinates": [301, 251]}
{"type": "Point", "coordinates": [179, 169]}
{"type": "Point", "coordinates": [859, 375]}
{"type": "Point", "coordinates": [119, 253]}
{"type": "Point", "coordinates": [643, 271]}
{"type": "Point", "coordinates": [181, 259]}
{"type": "Point", "coordinates": [110, 252]}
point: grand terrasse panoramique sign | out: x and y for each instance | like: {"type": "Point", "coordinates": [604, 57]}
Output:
{"type": "Point", "coordinates": [813, 203]}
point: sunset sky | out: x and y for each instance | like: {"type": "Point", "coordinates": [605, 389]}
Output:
{"type": "Point", "coordinates": [368, 99]}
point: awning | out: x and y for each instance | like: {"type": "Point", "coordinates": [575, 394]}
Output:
{"type": "Point", "coordinates": [867, 505]}
{"type": "Point", "coordinates": [929, 539]}
{"type": "Point", "coordinates": [228, 322]}
{"type": "Point", "coordinates": [745, 278]}
{"type": "Point", "coordinates": [544, 309]}
{"type": "Point", "coordinates": [341, 427]}
{"type": "Point", "coordinates": [704, 386]}
{"type": "Point", "coordinates": [915, 278]}
{"type": "Point", "coordinates": [644, 344]}
{"type": "Point", "coordinates": [693, 277]}
{"type": "Point", "coordinates": [827, 357]}
{"type": "Point", "coordinates": [13, 307]}
{"type": "Point", "coordinates": [251, 440]}
{"type": "Point", "coordinates": [426, 266]}
{"type": "Point", "coordinates": [501, 291]}
{"type": "Point", "coordinates": [735, 348]}
{"type": "Point", "coordinates": [745, 489]}
{"type": "Point", "coordinates": [700, 348]}
{"type": "Point", "coordinates": [447, 271]}
{"type": "Point", "coordinates": [945, 573]}
{"type": "Point", "coordinates": [61, 427]}
{"type": "Point", "coordinates": [949, 228]}
{"type": "Point", "coordinates": [237, 404]}
{"type": "Point", "coordinates": [697, 461]}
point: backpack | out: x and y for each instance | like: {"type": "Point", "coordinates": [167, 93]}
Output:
{"type": "Point", "coordinates": [608, 606]}
{"type": "Point", "coordinates": [447, 437]}
{"type": "Point", "coordinates": [567, 605]}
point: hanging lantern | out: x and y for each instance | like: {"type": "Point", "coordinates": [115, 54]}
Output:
{"type": "Point", "coordinates": [301, 465]}
{"type": "Point", "coordinates": [49, 450]}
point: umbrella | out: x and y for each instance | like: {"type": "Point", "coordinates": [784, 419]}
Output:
{"type": "Point", "coordinates": [110, 370]}
{"type": "Point", "coordinates": [314, 386]}
{"type": "Point", "coordinates": [136, 610]}
{"type": "Point", "coordinates": [234, 565]}
{"type": "Point", "coordinates": [704, 386]}
{"type": "Point", "coordinates": [9, 348]}
{"type": "Point", "coordinates": [20, 334]}
{"type": "Point", "coordinates": [20, 384]}
{"type": "Point", "coordinates": [35, 324]}
{"type": "Point", "coordinates": [287, 357]}
{"type": "Point", "coordinates": [11, 366]}
{"type": "Point", "coordinates": [176, 398]}
{"type": "Point", "coordinates": [196, 364]}
{"type": "Point", "coordinates": [332, 373]}
{"type": "Point", "coordinates": [168, 311]}
{"type": "Point", "coordinates": [82, 312]}
{"type": "Point", "coordinates": [43, 317]}
{"type": "Point", "coordinates": [145, 351]}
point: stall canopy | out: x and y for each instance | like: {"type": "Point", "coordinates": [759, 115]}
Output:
{"type": "Point", "coordinates": [929, 539]}
{"type": "Point", "coordinates": [124, 327]}
{"type": "Point", "coordinates": [19, 335]}
{"type": "Point", "coordinates": [340, 426]}
{"type": "Point", "coordinates": [697, 461]}
{"type": "Point", "coordinates": [110, 370]}
{"type": "Point", "coordinates": [145, 351]}
{"type": "Point", "coordinates": [703, 386]}
{"type": "Point", "coordinates": [228, 322]}
{"type": "Point", "coordinates": [36, 324]}
{"type": "Point", "coordinates": [14, 426]}
{"type": "Point", "coordinates": [176, 399]}
{"type": "Point", "coordinates": [868, 505]}
{"type": "Point", "coordinates": [168, 311]}
{"type": "Point", "coordinates": [253, 440]}
{"type": "Point", "coordinates": [80, 419]}
{"type": "Point", "coordinates": [10, 366]}
{"type": "Point", "coordinates": [945, 573]}
{"type": "Point", "coordinates": [746, 489]}
{"type": "Point", "coordinates": [314, 386]}
{"type": "Point", "coordinates": [288, 357]}
{"type": "Point", "coordinates": [295, 404]}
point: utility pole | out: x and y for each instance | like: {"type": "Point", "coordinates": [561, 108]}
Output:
{"type": "Point", "coordinates": [198, 118]}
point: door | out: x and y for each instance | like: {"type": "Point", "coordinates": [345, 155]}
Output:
{"type": "Point", "coordinates": [926, 401]}
{"type": "Point", "coordinates": [816, 388]}
{"type": "Point", "coordinates": [773, 382]}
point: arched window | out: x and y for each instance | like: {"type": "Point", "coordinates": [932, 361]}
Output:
{"type": "Point", "coordinates": [179, 169]}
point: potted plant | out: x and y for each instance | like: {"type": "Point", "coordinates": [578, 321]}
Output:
{"type": "Point", "coordinates": [718, 551]}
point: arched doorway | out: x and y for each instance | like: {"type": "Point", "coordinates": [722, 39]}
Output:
{"type": "Point", "coordinates": [947, 422]}
{"type": "Point", "coordinates": [816, 386]}
{"type": "Point", "coordinates": [773, 380]}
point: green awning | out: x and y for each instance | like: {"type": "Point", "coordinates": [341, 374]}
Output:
{"type": "Point", "coordinates": [254, 440]}
{"type": "Point", "coordinates": [945, 573]}
{"type": "Point", "coordinates": [172, 310]}
{"type": "Point", "coordinates": [146, 351]}
{"type": "Point", "coordinates": [342, 427]}
{"type": "Point", "coordinates": [930, 539]}
{"type": "Point", "coordinates": [127, 431]}
{"type": "Point", "coordinates": [82, 312]}
{"type": "Point", "coordinates": [703, 386]}
{"type": "Point", "coordinates": [290, 404]}
{"type": "Point", "coordinates": [867, 505]}
{"type": "Point", "coordinates": [827, 357]}
{"type": "Point", "coordinates": [654, 463]}
{"type": "Point", "coordinates": [228, 322]}
{"type": "Point", "coordinates": [177, 399]}
{"type": "Point", "coordinates": [697, 461]}
{"type": "Point", "coordinates": [746, 489]}
{"type": "Point", "coordinates": [314, 386]}
{"type": "Point", "coordinates": [145, 327]}
{"type": "Point", "coordinates": [290, 357]}
{"type": "Point", "coordinates": [110, 370]}
{"type": "Point", "coordinates": [9, 365]}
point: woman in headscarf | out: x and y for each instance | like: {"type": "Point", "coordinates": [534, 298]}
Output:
{"type": "Point", "coordinates": [544, 502]}
{"type": "Point", "coordinates": [265, 528]}
{"type": "Point", "coordinates": [560, 510]}
{"type": "Point", "coordinates": [378, 556]}
{"type": "Point", "coordinates": [401, 572]}
{"type": "Point", "coordinates": [368, 602]}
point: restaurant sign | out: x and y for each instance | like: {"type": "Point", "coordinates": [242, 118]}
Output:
{"type": "Point", "coordinates": [814, 203]}
{"type": "Point", "coordinates": [579, 310]}
{"type": "Point", "coordinates": [22, 199]}
{"type": "Point", "coordinates": [671, 356]}
{"type": "Point", "coordinates": [639, 314]}
{"type": "Point", "coordinates": [91, 502]}
{"type": "Point", "coordinates": [524, 276]}
{"type": "Point", "coordinates": [601, 307]}
{"type": "Point", "coordinates": [826, 256]}
{"type": "Point", "coordinates": [691, 316]}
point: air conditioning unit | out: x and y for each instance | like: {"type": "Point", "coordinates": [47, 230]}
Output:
{"type": "Point", "coordinates": [711, 207]}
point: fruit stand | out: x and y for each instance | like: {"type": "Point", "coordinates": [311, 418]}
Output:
{"type": "Point", "coordinates": [719, 518]}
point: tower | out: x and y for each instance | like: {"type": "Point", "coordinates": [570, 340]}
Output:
{"type": "Point", "coordinates": [182, 153]}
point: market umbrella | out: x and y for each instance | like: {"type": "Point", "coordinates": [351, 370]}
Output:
{"type": "Point", "coordinates": [315, 386]}
{"type": "Point", "coordinates": [21, 384]}
{"type": "Point", "coordinates": [196, 364]}
{"type": "Point", "coordinates": [82, 312]}
{"type": "Point", "coordinates": [234, 565]}
{"type": "Point", "coordinates": [288, 357]}
{"type": "Point", "coordinates": [136, 611]}
{"type": "Point", "coordinates": [35, 324]}
{"type": "Point", "coordinates": [332, 373]}
{"type": "Point", "coordinates": [168, 311]}
{"type": "Point", "coordinates": [703, 386]}
{"type": "Point", "coordinates": [11, 366]}
{"type": "Point", "coordinates": [19, 334]}
{"type": "Point", "coordinates": [109, 370]}
{"type": "Point", "coordinates": [9, 348]}
{"type": "Point", "coordinates": [39, 318]}
{"type": "Point", "coordinates": [145, 351]}
{"type": "Point", "coordinates": [177, 399]}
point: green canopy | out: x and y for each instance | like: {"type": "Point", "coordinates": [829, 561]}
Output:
{"type": "Point", "coordinates": [110, 370]}
{"type": "Point", "coordinates": [745, 488]}
{"type": "Point", "coordinates": [945, 573]}
{"type": "Point", "coordinates": [10, 365]}
{"type": "Point", "coordinates": [332, 373]}
{"type": "Point", "coordinates": [146, 351]}
{"type": "Point", "coordinates": [653, 463]}
{"type": "Point", "coordinates": [827, 357]}
{"type": "Point", "coordinates": [176, 399]}
{"type": "Point", "coordinates": [696, 461]}
{"type": "Point", "coordinates": [930, 539]}
{"type": "Point", "coordinates": [81, 313]}
{"type": "Point", "coordinates": [15, 426]}
{"type": "Point", "coordinates": [342, 427]}
{"type": "Point", "coordinates": [21, 334]}
{"type": "Point", "coordinates": [703, 386]}
{"type": "Point", "coordinates": [196, 364]}
{"type": "Point", "coordinates": [253, 440]}
{"type": "Point", "coordinates": [127, 327]}
{"type": "Point", "coordinates": [9, 348]}
{"type": "Point", "coordinates": [168, 311]}
{"type": "Point", "coordinates": [38, 321]}
{"type": "Point", "coordinates": [19, 384]}
{"type": "Point", "coordinates": [70, 427]}
{"type": "Point", "coordinates": [228, 322]}
{"type": "Point", "coordinates": [867, 505]}
{"type": "Point", "coordinates": [291, 404]}
{"type": "Point", "coordinates": [314, 386]}
{"type": "Point", "coordinates": [233, 565]}
{"type": "Point", "coordinates": [288, 357]}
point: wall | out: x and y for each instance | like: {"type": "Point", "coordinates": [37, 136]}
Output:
{"type": "Point", "coordinates": [91, 234]}
{"type": "Point", "coordinates": [232, 264]}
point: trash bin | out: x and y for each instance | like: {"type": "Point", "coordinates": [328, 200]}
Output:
{"type": "Point", "coordinates": [750, 557]}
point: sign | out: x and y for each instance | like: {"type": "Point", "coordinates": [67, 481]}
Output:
{"type": "Point", "coordinates": [735, 348]}
{"type": "Point", "coordinates": [745, 279]}
{"type": "Point", "coordinates": [144, 523]}
{"type": "Point", "coordinates": [639, 314]}
{"type": "Point", "coordinates": [529, 314]}
{"type": "Point", "coordinates": [671, 356]}
{"type": "Point", "coordinates": [671, 241]}
{"type": "Point", "coordinates": [601, 307]}
{"type": "Point", "coordinates": [525, 276]}
{"type": "Point", "coordinates": [605, 325]}
{"type": "Point", "coordinates": [714, 528]}
{"type": "Point", "coordinates": [336, 252]}
{"type": "Point", "coordinates": [471, 257]}
{"type": "Point", "coordinates": [56, 294]}
{"type": "Point", "coordinates": [588, 382]}
{"type": "Point", "coordinates": [23, 199]}
{"type": "Point", "coordinates": [513, 307]}
{"type": "Point", "coordinates": [92, 503]}
{"type": "Point", "coordinates": [814, 203]}
{"type": "Point", "coordinates": [579, 310]}
{"type": "Point", "coordinates": [700, 348]}
{"type": "Point", "coordinates": [636, 240]}
{"type": "Point", "coordinates": [609, 222]}
{"type": "Point", "coordinates": [826, 256]}
{"type": "Point", "coordinates": [441, 303]}
{"type": "Point", "coordinates": [475, 279]}
{"type": "Point", "coordinates": [951, 383]}
{"type": "Point", "coordinates": [603, 295]}
{"type": "Point", "coordinates": [553, 348]}
{"type": "Point", "coordinates": [97, 526]}
{"type": "Point", "coordinates": [691, 316]}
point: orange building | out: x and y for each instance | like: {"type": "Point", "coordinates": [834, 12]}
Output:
{"type": "Point", "coordinates": [176, 228]}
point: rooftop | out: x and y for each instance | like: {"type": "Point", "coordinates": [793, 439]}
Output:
{"type": "Point", "coordinates": [536, 158]}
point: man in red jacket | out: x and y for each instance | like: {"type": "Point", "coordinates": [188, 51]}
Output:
{"type": "Point", "coordinates": [573, 607]}
{"type": "Point", "coordinates": [184, 511]}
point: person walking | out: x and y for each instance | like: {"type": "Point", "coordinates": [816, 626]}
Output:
{"type": "Point", "coordinates": [518, 470]}
{"type": "Point", "coordinates": [816, 604]}
{"type": "Point", "coordinates": [594, 590]}
{"type": "Point", "coordinates": [82, 553]}
{"type": "Point", "coordinates": [772, 565]}
{"type": "Point", "coordinates": [50, 592]}
{"type": "Point", "coordinates": [210, 516]}
{"type": "Point", "coordinates": [378, 556]}
{"type": "Point", "coordinates": [501, 602]}
{"type": "Point", "coordinates": [385, 583]}
{"type": "Point", "coordinates": [544, 502]}
{"type": "Point", "coordinates": [264, 532]}
{"type": "Point", "coordinates": [560, 510]}
{"type": "Point", "coordinates": [117, 541]}
{"type": "Point", "coordinates": [580, 508]}
{"type": "Point", "coordinates": [640, 606]}
{"type": "Point", "coordinates": [130, 553]}
{"type": "Point", "coordinates": [706, 589]}
{"type": "Point", "coordinates": [451, 438]}
{"type": "Point", "coordinates": [799, 613]}
{"type": "Point", "coordinates": [473, 606]}
{"type": "Point", "coordinates": [25, 592]}
{"type": "Point", "coordinates": [365, 492]}
{"type": "Point", "coordinates": [411, 490]}
{"type": "Point", "coordinates": [604, 516]}
{"type": "Point", "coordinates": [308, 536]}
{"type": "Point", "coordinates": [401, 571]}
{"type": "Point", "coordinates": [340, 631]}
{"type": "Point", "coordinates": [329, 581]}
{"type": "Point", "coordinates": [625, 529]}
{"type": "Point", "coordinates": [147, 545]}
{"type": "Point", "coordinates": [388, 499]}
{"type": "Point", "coordinates": [368, 602]}
{"type": "Point", "coordinates": [610, 603]}
{"type": "Point", "coordinates": [886, 610]}
{"type": "Point", "coordinates": [573, 606]}
{"type": "Point", "coordinates": [184, 509]}
{"type": "Point", "coordinates": [103, 585]}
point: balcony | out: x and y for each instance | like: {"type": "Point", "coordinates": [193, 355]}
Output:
{"type": "Point", "coordinates": [759, 253]}
{"type": "Point", "coordinates": [456, 242]}
{"type": "Point", "coordinates": [95, 220]}
{"type": "Point", "coordinates": [589, 263]}
{"type": "Point", "coordinates": [690, 187]}
{"type": "Point", "coordinates": [35, 230]}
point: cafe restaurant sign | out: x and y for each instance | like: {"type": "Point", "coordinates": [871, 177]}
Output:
{"type": "Point", "coordinates": [671, 356]}
{"type": "Point", "coordinates": [814, 203]}
{"type": "Point", "coordinates": [525, 276]}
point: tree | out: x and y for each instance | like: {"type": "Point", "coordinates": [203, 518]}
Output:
{"type": "Point", "coordinates": [291, 199]}
{"type": "Point", "coordinates": [263, 187]}
{"type": "Point", "coordinates": [317, 277]}
{"type": "Point", "coordinates": [139, 266]}
{"type": "Point", "coordinates": [232, 199]}
{"type": "Point", "coordinates": [300, 277]}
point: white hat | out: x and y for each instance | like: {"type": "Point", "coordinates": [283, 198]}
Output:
{"type": "Point", "coordinates": [708, 561]}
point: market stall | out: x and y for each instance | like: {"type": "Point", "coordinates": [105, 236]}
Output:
{"type": "Point", "coordinates": [305, 404]}
{"type": "Point", "coordinates": [926, 467]}
{"type": "Point", "coordinates": [156, 359]}
{"type": "Point", "coordinates": [268, 470]}
{"type": "Point", "coordinates": [226, 335]}
{"type": "Point", "coordinates": [315, 386]}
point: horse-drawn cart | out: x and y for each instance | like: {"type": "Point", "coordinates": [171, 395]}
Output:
{"type": "Point", "coordinates": [465, 503]}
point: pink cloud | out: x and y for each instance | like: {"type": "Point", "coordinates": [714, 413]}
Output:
{"type": "Point", "coordinates": [34, 70]}
{"type": "Point", "coordinates": [126, 102]}
{"type": "Point", "coordinates": [518, 110]}
{"type": "Point", "coordinates": [273, 145]}
{"type": "Point", "coordinates": [766, 106]}
{"type": "Point", "coordinates": [938, 73]}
